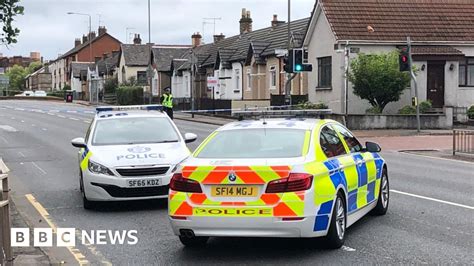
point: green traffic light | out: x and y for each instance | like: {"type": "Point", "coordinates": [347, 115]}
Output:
{"type": "Point", "coordinates": [298, 67]}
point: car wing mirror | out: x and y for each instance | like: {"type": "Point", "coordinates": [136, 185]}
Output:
{"type": "Point", "coordinates": [190, 137]}
{"type": "Point", "coordinates": [78, 143]}
{"type": "Point", "coordinates": [372, 147]}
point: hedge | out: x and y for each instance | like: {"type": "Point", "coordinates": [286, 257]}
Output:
{"type": "Point", "coordinates": [129, 95]}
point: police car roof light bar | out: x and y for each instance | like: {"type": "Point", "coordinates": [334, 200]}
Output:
{"type": "Point", "coordinates": [283, 114]}
{"type": "Point", "coordinates": [154, 107]}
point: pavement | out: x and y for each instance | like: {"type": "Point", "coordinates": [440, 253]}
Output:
{"type": "Point", "coordinates": [429, 219]}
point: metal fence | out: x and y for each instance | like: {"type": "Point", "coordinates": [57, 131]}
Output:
{"type": "Point", "coordinates": [6, 257]}
{"type": "Point", "coordinates": [463, 141]}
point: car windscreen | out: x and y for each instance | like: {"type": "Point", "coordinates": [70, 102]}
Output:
{"type": "Point", "coordinates": [255, 143]}
{"type": "Point", "coordinates": [134, 130]}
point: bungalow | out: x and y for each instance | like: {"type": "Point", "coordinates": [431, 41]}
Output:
{"type": "Point", "coordinates": [248, 66]}
{"type": "Point", "coordinates": [133, 62]}
{"type": "Point", "coordinates": [442, 39]}
{"type": "Point", "coordinates": [161, 58]}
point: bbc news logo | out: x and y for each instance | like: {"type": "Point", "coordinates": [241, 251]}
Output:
{"type": "Point", "coordinates": [66, 237]}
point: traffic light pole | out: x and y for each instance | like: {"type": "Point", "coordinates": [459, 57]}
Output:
{"type": "Point", "coordinates": [289, 76]}
{"type": "Point", "coordinates": [413, 77]}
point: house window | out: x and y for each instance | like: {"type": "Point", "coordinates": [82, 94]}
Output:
{"type": "Point", "coordinates": [237, 81]}
{"type": "Point", "coordinates": [466, 72]}
{"type": "Point", "coordinates": [324, 72]}
{"type": "Point", "coordinates": [141, 78]}
{"type": "Point", "coordinates": [273, 77]}
{"type": "Point", "coordinates": [249, 79]}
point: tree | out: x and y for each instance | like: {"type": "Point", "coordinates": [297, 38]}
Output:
{"type": "Point", "coordinates": [34, 66]}
{"type": "Point", "coordinates": [377, 79]}
{"type": "Point", "coordinates": [8, 10]}
{"type": "Point", "coordinates": [17, 75]}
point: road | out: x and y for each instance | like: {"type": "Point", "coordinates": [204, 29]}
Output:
{"type": "Point", "coordinates": [430, 218]}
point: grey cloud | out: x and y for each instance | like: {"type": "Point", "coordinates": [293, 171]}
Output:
{"type": "Point", "coordinates": [47, 28]}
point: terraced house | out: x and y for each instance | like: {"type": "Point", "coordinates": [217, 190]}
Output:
{"type": "Point", "coordinates": [443, 48]}
{"type": "Point", "coordinates": [246, 67]}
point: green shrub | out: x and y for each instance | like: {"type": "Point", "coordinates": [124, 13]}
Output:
{"type": "Point", "coordinates": [129, 95]}
{"type": "Point", "coordinates": [59, 94]}
{"type": "Point", "coordinates": [470, 112]}
{"type": "Point", "coordinates": [66, 88]}
{"type": "Point", "coordinates": [110, 85]}
{"type": "Point", "coordinates": [310, 105]}
{"type": "Point", "coordinates": [425, 106]}
{"type": "Point", "coordinates": [407, 110]}
{"type": "Point", "coordinates": [374, 110]}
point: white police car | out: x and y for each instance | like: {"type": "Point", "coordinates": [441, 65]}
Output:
{"type": "Point", "coordinates": [129, 153]}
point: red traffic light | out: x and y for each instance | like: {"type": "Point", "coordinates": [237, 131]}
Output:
{"type": "Point", "coordinates": [404, 58]}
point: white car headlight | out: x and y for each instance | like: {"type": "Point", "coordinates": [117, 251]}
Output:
{"type": "Point", "coordinates": [99, 169]}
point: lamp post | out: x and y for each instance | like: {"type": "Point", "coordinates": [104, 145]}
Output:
{"type": "Point", "coordinates": [90, 43]}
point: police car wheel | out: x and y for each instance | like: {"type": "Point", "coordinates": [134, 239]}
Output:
{"type": "Point", "coordinates": [196, 241]}
{"type": "Point", "coordinates": [384, 196]}
{"type": "Point", "coordinates": [337, 229]}
{"type": "Point", "coordinates": [87, 204]}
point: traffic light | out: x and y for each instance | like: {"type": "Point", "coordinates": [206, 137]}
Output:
{"type": "Point", "coordinates": [288, 62]}
{"type": "Point", "coordinates": [404, 61]}
{"type": "Point", "coordinates": [297, 61]}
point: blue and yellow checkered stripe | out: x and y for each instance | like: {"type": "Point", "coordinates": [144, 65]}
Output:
{"type": "Point", "coordinates": [86, 154]}
{"type": "Point", "coordinates": [361, 181]}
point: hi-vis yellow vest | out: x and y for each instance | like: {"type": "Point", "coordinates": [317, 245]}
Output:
{"type": "Point", "coordinates": [167, 101]}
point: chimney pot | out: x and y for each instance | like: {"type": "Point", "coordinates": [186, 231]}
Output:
{"type": "Point", "coordinates": [219, 37]}
{"type": "Point", "coordinates": [77, 42]}
{"type": "Point", "coordinates": [93, 35]}
{"type": "Point", "coordinates": [84, 38]}
{"type": "Point", "coordinates": [276, 22]}
{"type": "Point", "coordinates": [137, 39]}
{"type": "Point", "coordinates": [196, 39]}
{"type": "Point", "coordinates": [245, 22]}
{"type": "Point", "coordinates": [102, 30]}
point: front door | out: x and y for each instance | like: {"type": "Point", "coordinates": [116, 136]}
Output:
{"type": "Point", "coordinates": [435, 87]}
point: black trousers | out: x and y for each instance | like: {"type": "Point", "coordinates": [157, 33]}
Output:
{"type": "Point", "coordinates": [169, 111]}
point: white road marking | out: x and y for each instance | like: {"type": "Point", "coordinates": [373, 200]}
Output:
{"type": "Point", "coordinates": [54, 111]}
{"type": "Point", "coordinates": [432, 199]}
{"type": "Point", "coordinates": [51, 114]}
{"type": "Point", "coordinates": [39, 168]}
{"type": "Point", "coordinates": [33, 125]}
{"type": "Point", "coordinates": [89, 112]}
{"type": "Point", "coordinates": [12, 118]}
{"type": "Point", "coordinates": [70, 111]}
{"type": "Point", "coordinates": [44, 129]}
{"type": "Point", "coordinates": [87, 121]}
{"type": "Point", "coordinates": [19, 109]}
{"type": "Point", "coordinates": [21, 154]}
{"type": "Point", "coordinates": [346, 248]}
{"type": "Point", "coordinates": [432, 157]}
{"type": "Point", "coordinates": [23, 121]}
{"type": "Point", "coordinates": [4, 139]}
{"type": "Point", "coordinates": [72, 118]}
{"type": "Point", "coordinates": [62, 116]}
{"type": "Point", "coordinates": [8, 128]}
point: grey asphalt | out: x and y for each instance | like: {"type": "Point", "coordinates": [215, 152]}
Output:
{"type": "Point", "coordinates": [415, 230]}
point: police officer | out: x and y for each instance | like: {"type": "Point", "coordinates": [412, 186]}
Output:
{"type": "Point", "coordinates": [167, 102]}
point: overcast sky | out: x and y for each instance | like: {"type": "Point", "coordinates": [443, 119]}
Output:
{"type": "Point", "coordinates": [46, 28]}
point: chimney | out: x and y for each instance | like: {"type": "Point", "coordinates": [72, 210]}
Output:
{"type": "Point", "coordinates": [219, 37]}
{"type": "Point", "coordinates": [105, 55]}
{"type": "Point", "coordinates": [276, 22]}
{"type": "Point", "coordinates": [137, 39]}
{"type": "Point", "coordinates": [84, 38]}
{"type": "Point", "coordinates": [93, 35]}
{"type": "Point", "coordinates": [196, 39]}
{"type": "Point", "coordinates": [77, 42]}
{"type": "Point", "coordinates": [245, 22]}
{"type": "Point", "coordinates": [97, 59]}
{"type": "Point", "coordinates": [102, 30]}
